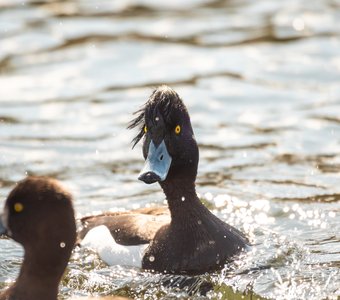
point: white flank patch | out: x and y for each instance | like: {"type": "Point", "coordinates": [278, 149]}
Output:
{"type": "Point", "coordinates": [100, 240]}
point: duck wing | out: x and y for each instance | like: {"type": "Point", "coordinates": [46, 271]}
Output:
{"type": "Point", "coordinates": [128, 228]}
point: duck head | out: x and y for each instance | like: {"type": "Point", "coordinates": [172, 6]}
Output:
{"type": "Point", "coordinates": [169, 146]}
{"type": "Point", "coordinates": [38, 214]}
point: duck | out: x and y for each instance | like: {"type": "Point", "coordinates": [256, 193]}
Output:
{"type": "Point", "coordinates": [183, 238]}
{"type": "Point", "coordinates": [39, 215]}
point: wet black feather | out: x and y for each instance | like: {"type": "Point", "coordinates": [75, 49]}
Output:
{"type": "Point", "coordinates": [140, 123]}
{"type": "Point", "coordinates": [163, 99]}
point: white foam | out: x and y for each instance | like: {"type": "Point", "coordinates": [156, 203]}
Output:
{"type": "Point", "coordinates": [100, 240]}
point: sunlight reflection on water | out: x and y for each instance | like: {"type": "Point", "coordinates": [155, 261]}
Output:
{"type": "Point", "coordinates": [261, 82]}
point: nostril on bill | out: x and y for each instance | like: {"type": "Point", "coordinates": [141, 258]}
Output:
{"type": "Point", "coordinates": [161, 157]}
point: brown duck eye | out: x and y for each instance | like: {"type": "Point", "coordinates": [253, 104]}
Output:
{"type": "Point", "coordinates": [18, 207]}
{"type": "Point", "coordinates": [178, 129]}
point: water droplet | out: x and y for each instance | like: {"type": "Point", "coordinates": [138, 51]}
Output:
{"type": "Point", "coordinates": [298, 24]}
{"type": "Point", "coordinates": [331, 214]}
{"type": "Point", "coordinates": [183, 198]}
{"type": "Point", "coordinates": [211, 242]}
{"type": "Point", "coordinates": [157, 119]}
{"type": "Point", "coordinates": [199, 222]}
{"type": "Point", "coordinates": [151, 258]}
{"type": "Point", "coordinates": [62, 245]}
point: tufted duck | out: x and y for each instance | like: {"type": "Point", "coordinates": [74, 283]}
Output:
{"type": "Point", "coordinates": [39, 215]}
{"type": "Point", "coordinates": [189, 240]}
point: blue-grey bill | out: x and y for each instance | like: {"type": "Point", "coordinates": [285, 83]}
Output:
{"type": "Point", "coordinates": [3, 229]}
{"type": "Point", "coordinates": [158, 161]}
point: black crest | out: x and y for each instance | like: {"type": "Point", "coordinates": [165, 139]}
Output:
{"type": "Point", "coordinates": [163, 99]}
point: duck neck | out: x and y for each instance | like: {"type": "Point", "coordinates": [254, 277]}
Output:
{"type": "Point", "coordinates": [182, 200]}
{"type": "Point", "coordinates": [39, 276]}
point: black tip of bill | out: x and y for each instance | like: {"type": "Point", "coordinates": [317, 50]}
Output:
{"type": "Point", "coordinates": [149, 177]}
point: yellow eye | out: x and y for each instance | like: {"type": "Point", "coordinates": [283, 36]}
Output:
{"type": "Point", "coordinates": [18, 207]}
{"type": "Point", "coordinates": [178, 129]}
{"type": "Point", "coordinates": [145, 129]}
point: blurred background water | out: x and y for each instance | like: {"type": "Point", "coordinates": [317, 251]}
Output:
{"type": "Point", "coordinates": [261, 80]}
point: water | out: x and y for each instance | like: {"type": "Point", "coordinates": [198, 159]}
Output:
{"type": "Point", "coordinates": [261, 82]}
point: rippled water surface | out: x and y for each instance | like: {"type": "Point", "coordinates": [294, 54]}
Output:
{"type": "Point", "coordinates": [261, 80]}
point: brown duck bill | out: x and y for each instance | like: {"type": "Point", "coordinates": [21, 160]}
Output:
{"type": "Point", "coordinates": [157, 164]}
